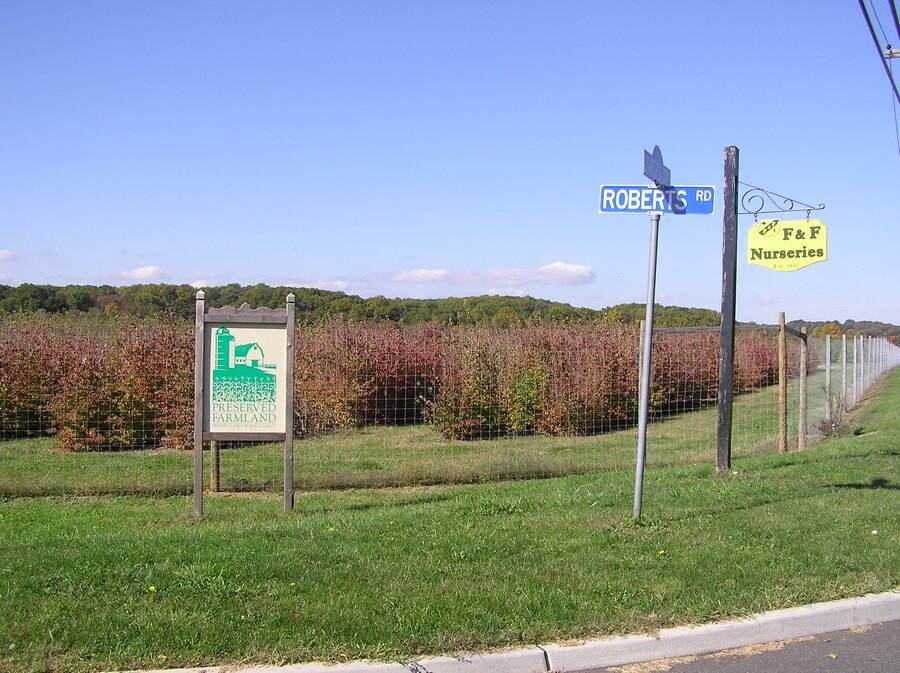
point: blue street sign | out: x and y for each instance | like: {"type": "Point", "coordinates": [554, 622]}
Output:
{"type": "Point", "coordinates": [655, 169]}
{"type": "Point", "coordinates": [685, 200]}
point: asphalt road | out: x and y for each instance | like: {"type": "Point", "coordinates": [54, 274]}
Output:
{"type": "Point", "coordinates": [867, 649]}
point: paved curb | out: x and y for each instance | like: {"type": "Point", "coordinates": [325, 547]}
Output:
{"type": "Point", "coordinates": [807, 620]}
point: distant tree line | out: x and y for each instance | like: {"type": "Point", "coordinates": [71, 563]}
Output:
{"type": "Point", "coordinates": [849, 327]}
{"type": "Point", "coordinates": [666, 316]}
{"type": "Point", "coordinates": [313, 305]}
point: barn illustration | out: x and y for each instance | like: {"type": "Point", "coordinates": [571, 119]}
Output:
{"type": "Point", "coordinates": [240, 371]}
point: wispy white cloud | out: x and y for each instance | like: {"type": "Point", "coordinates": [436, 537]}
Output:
{"type": "Point", "coordinates": [556, 273]}
{"type": "Point", "coordinates": [333, 285]}
{"type": "Point", "coordinates": [200, 284]}
{"type": "Point", "coordinates": [420, 276]}
{"type": "Point", "coordinates": [149, 272]}
{"type": "Point", "coordinates": [7, 254]}
{"type": "Point", "coordinates": [506, 292]}
{"type": "Point", "coordinates": [762, 301]}
{"type": "Point", "coordinates": [561, 273]}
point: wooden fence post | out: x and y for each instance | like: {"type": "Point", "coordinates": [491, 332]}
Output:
{"type": "Point", "coordinates": [782, 385]}
{"type": "Point", "coordinates": [828, 394]}
{"type": "Point", "coordinates": [640, 352]}
{"type": "Point", "coordinates": [214, 469]}
{"type": "Point", "coordinates": [801, 415]}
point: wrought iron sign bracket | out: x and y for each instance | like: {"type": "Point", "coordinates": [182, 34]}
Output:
{"type": "Point", "coordinates": [760, 201]}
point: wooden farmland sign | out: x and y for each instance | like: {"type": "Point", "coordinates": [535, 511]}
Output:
{"type": "Point", "coordinates": [243, 382]}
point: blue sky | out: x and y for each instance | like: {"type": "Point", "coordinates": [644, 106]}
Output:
{"type": "Point", "coordinates": [429, 149]}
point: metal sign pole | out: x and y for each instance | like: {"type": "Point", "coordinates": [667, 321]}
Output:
{"type": "Point", "coordinates": [290, 325]}
{"type": "Point", "coordinates": [645, 368]}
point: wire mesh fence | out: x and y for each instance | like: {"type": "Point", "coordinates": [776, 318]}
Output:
{"type": "Point", "coordinates": [97, 406]}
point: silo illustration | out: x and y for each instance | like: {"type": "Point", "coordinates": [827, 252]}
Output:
{"type": "Point", "coordinates": [224, 349]}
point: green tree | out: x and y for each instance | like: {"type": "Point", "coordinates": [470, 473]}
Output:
{"type": "Point", "coordinates": [507, 316]}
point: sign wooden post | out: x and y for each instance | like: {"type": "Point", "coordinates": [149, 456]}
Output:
{"type": "Point", "coordinates": [243, 382]}
{"type": "Point", "coordinates": [199, 357]}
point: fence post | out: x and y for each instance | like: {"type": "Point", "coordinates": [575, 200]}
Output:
{"type": "Point", "coordinates": [801, 415]}
{"type": "Point", "coordinates": [827, 377]}
{"type": "Point", "coordinates": [865, 364]}
{"type": "Point", "coordinates": [640, 351]}
{"type": "Point", "coordinates": [214, 469]}
{"type": "Point", "coordinates": [199, 340]}
{"type": "Point", "coordinates": [855, 370]}
{"type": "Point", "coordinates": [862, 367]}
{"type": "Point", "coordinates": [871, 360]}
{"type": "Point", "coordinates": [844, 370]}
{"type": "Point", "coordinates": [782, 385]}
{"type": "Point", "coordinates": [868, 362]}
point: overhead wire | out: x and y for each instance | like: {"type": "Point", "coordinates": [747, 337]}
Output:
{"type": "Point", "coordinates": [896, 14]}
{"type": "Point", "coordinates": [880, 27]}
{"type": "Point", "coordinates": [894, 105]}
{"type": "Point", "coordinates": [889, 58]}
{"type": "Point", "coordinates": [884, 61]}
{"type": "Point", "coordinates": [884, 57]}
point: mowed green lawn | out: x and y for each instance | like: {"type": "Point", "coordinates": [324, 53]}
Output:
{"type": "Point", "coordinates": [383, 457]}
{"type": "Point", "coordinates": [100, 583]}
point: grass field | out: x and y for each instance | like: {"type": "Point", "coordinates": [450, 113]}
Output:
{"type": "Point", "coordinates": [100, 583]}
{"type": "Point", "coordinates": [383, 457]}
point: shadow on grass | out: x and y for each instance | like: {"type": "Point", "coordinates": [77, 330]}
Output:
{"type": "Point", "coordinates": [413, 501]}
{"type": "Point", "coordinates": [878, 483]}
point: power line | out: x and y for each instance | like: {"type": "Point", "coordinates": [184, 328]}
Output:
{"type": "Point", "coordinates": [881, 56]}
{"type": "Point", "coordinates": [880, 27]}
{"type": "Point", "coordinates": [889, 55]}
{"type": "Point", "coordinates": [896, 127]}
{"type": "Point", "coordinates": [896, 15]}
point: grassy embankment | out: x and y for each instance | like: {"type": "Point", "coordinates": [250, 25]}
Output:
{"type": "Point", "coordinates": [102, 583]}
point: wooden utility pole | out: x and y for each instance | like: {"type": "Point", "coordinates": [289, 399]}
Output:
{"type": "Point", "coordinates": [729, 297]}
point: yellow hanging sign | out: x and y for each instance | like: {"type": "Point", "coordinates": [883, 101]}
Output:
{"type": "Point", "coordinates": [787, 245]}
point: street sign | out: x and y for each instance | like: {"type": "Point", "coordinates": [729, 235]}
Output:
{"type": "Point", "coordinates": [655, 169]}
{"type": "Point", "coordinates": [659, 198]}
{"type": "Point", "coordinates": [631, 199]}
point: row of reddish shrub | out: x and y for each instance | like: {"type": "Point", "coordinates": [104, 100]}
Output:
{"type": "Point", "coordinates": [98, 384]}
{"type": "Point", "coordinates": [564, 380]}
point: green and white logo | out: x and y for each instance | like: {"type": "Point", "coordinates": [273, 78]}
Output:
{"type": "Point", "coordinates": [241, 372]}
